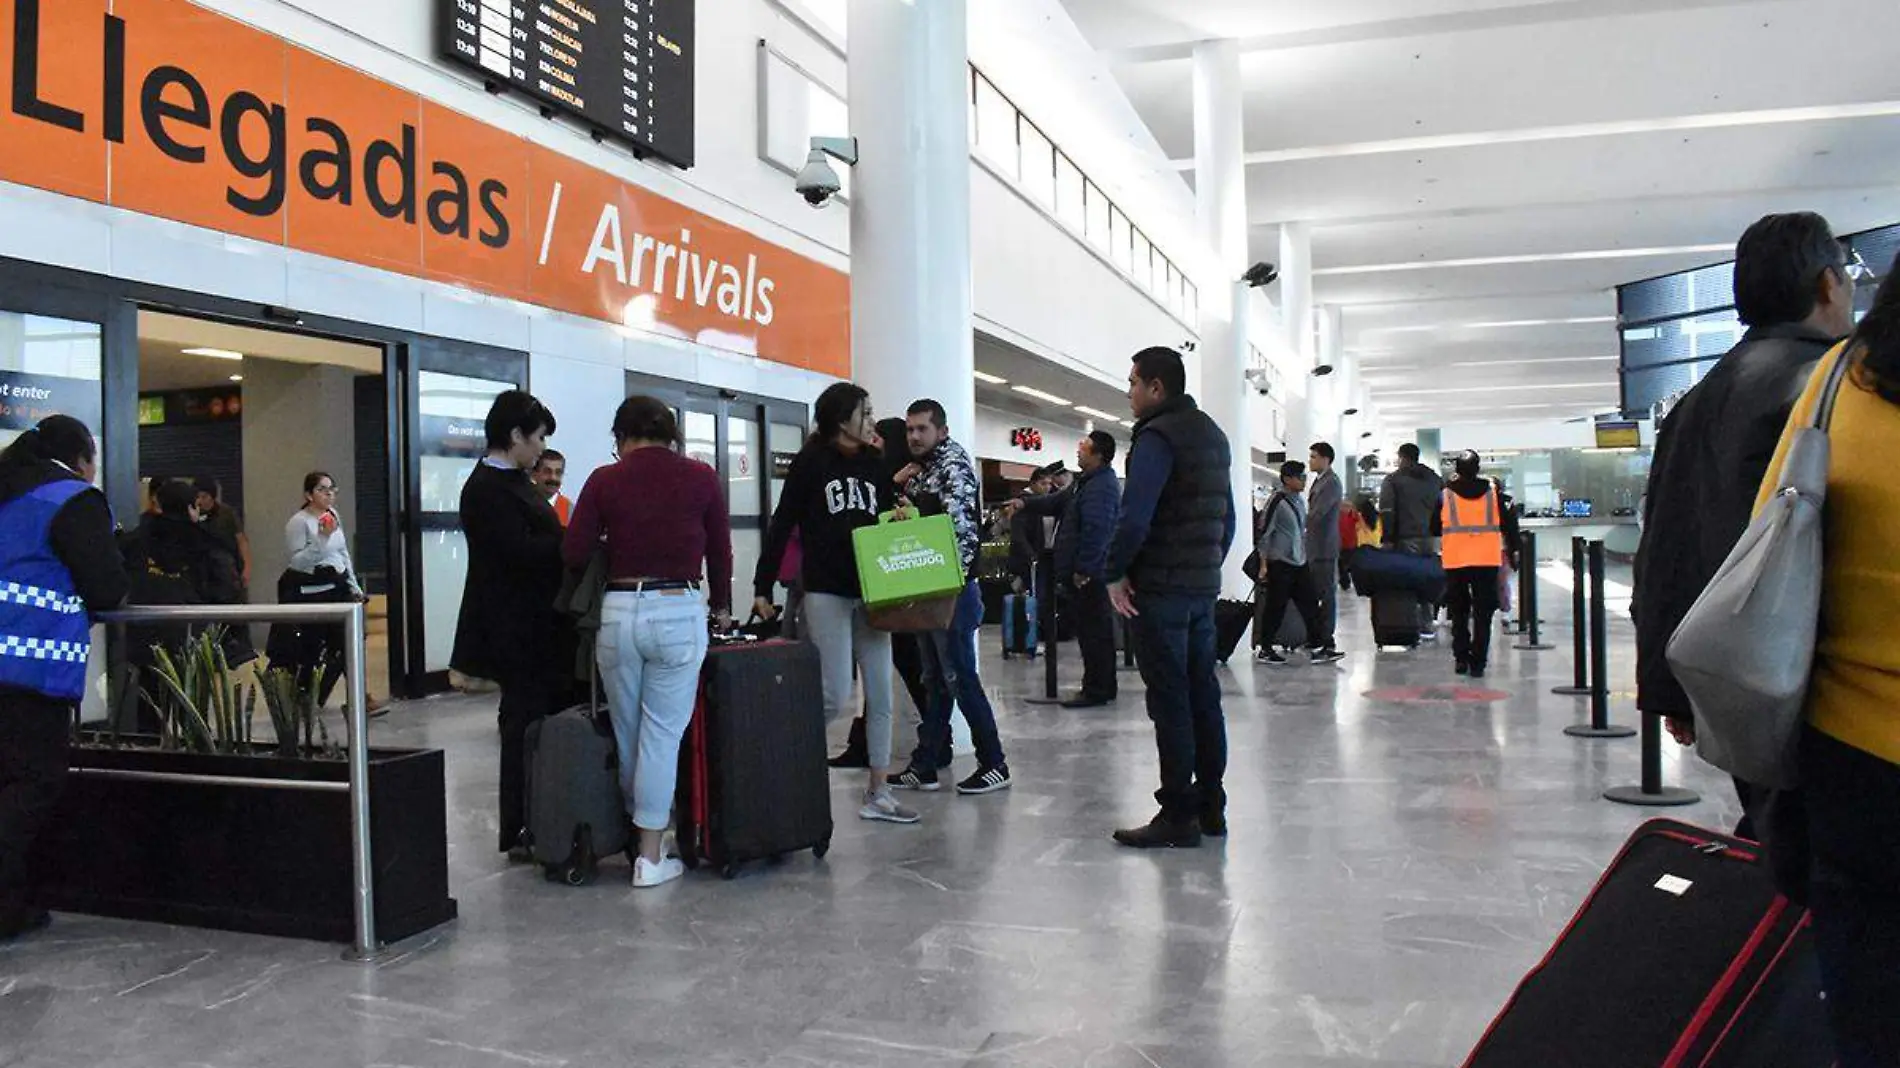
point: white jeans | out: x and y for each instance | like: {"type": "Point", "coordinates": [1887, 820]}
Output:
{"type": "Point", "coordinates": [842, 632]}
{"type": "Point", "coordinates": [650, 650]}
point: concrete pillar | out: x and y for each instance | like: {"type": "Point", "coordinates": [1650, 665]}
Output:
{"type": "Point", "coordinates": [1296, 288]}
{"type": "Point", "coordinates": [1330, 393]}
{"type": "Point", "coordinates": [910, 210]}
{"type": "Point", "coordinates": [1220, 182]}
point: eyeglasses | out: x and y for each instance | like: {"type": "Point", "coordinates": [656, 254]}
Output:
{"type": "Point", "coordinates": [324, 489]}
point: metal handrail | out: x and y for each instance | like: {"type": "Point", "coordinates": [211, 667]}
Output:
{"type": "Point", "coordinates": [366, 947]}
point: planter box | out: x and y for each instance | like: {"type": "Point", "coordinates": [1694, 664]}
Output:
{"type": "Point", "coordinates": [253, 859]}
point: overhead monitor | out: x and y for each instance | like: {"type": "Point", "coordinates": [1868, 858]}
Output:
{"type": "Point", "coordinates": [624, 68]}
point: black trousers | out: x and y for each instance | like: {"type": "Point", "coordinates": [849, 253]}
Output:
{"type": "Point", "coordinates": [525, 698]}
{"type": "Point", "coordinates": [1175, 647]}
{"type": "Point", "coordinates": [1290, 584]}
{"type": "Point", "coordinates": [1094, 619]}
{"type": "Point", "coordinates": [1853, 814]}
{"type": "Point", "coordinates": [1472, 595]}
{"type": "Point", "coordinates": [35, 732]}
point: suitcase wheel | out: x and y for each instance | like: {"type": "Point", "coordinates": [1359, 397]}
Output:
{"type": "Point", "coordinates": [818, 851]}
{"type": "Point", "coordinates": [730, 870]}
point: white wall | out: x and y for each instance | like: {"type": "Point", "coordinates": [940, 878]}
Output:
{"type": "Point", "coordinates": [1048, 293]}
{"type": "Point", "coordinates": [298, 418]}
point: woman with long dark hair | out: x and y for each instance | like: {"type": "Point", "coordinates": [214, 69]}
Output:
{"type": "Point", "coordinates": [837, 484]}
{"type": "Point", "coordinates": [58, 564]}
{"type": "Point", "coordinates": [319, 572]}
{"type": "Point", "coordinates": [1850, 751]}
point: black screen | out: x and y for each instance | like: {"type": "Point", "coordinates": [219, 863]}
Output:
{"type": "Point", "coordinates": [625, 67]}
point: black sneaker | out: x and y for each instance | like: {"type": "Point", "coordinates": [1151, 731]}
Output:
{"type": "Point", "coordinates": [1161, 833]}
{"type": "Point", "coordinates": [1477, 672]}
{"type": "Point", "coordinates": [854, 756]}
{"type": "Point", "coordinates": [1462, 669]}
{"type": "Point", "coordinates": [1214, 823]}
{"type": "Point", "coordinates": [1083, 700]}
{"type": "Point", "coordinates": [1327, 656]}
{"type": "Point", "coordinates": [986, 781]}
{"type": "Point", "coordinates": [912, 779]}
{"type": "Point", "coordinates": [1269, 657]}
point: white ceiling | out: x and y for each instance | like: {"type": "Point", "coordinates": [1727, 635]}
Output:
{"type": "Point", "coordinates": [164, 366]}
{"type": "Point", "coordinates": [1585, 142]}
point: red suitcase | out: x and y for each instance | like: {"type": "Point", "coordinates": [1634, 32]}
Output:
{"type": "Point", "coordinates": [753, 781]}
{"type": "Point", "coordinates": [1684, 956]}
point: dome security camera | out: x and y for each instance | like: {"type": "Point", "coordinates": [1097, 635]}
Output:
{"type": "Point", "coordinates": [817, 180]}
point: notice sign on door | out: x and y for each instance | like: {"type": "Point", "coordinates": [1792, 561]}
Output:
{"type": "Point", "coordinates": [169, 109]}
{"type": "Point", "coordinates": [25, 399]}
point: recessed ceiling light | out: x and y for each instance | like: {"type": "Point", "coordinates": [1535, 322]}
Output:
{"type": "Point", "coordinates": [237, 378]}
{"type": "Point", "coordinates": [1047, 398]}
{"type": "Point", "coordinates": [1538, 363]}
{"type": "Point", "coordinates": [215, 354]}
{"type": "Point", "coordinates": [985, 376]}
{"type": "Point", "coordinates": [1542, 257]}
{"type": "Point", "coordinates": [1492, 326]}
{"type": "Point", "coordinates": [1098, 413]}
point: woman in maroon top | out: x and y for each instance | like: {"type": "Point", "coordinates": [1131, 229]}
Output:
{"type": "Point", "coordinates": [662, 516]}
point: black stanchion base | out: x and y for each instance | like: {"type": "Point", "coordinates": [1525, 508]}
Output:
{"type": "Point", "coordinates": [1571, 691]}
{"type": "Point", "coordinates": [1584, 730]}
{"type": "Point", "coordinates": [1667, 797]}
{"type": "Point", "coordinates": [1533, 647]}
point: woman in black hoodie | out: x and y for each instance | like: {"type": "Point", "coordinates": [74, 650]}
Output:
{"type": "Point", "coordinates": [838, 484]}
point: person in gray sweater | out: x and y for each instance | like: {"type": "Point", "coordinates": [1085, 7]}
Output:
{"type": "Point", "coordinates": [1285, 576]}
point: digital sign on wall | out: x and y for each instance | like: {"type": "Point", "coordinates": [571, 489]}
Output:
{"type": "Point", "coordinates": [624, 67]}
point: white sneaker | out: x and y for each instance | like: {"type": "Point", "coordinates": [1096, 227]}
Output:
{"type": "Point", "coordinates": [882, 805]}
{"type": "Point", "coordinates": [647, 874]}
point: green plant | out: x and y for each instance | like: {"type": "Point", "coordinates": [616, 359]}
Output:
{"type": "Point", "coordinates": [295, 718]}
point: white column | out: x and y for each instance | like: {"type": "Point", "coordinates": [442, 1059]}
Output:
{"type": "Point", "coordinates": [910, 209]}
{"type": "Point", "coordinates": [1220, 182]}
{"type": "Point", "coordinates": [1330, 398]}
{"type": "Point", "coordinates": [1296, 288]}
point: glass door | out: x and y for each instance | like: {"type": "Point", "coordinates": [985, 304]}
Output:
{"type": "Point", "coordinates": [750, 441]}
{"type": "Point", "coordinates": [450, 387]}
{"type": "Point", "coordinates": [55, 344]}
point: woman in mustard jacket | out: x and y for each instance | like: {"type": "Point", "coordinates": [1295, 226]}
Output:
{"type": "Point", "coordinates": [1850, 751]}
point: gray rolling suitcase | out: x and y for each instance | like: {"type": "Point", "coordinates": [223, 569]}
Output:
{"type": "Point", "coordinates": [575, 812]}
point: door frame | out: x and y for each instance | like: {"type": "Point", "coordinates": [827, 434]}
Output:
{"type": "Point", "coordinates": [115, 303]}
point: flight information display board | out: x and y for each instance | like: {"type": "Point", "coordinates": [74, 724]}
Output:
{"type": "Point", "coordinates": [624, 67]}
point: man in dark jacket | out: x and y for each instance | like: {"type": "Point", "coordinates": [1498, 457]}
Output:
{"type": "Point", "coordinates": [1408, 519]}
{"type": "Point", "coordinates": [1088, 511]}
{"type": "Point", "coordinates": [1325, 499]}
{"type": "Point", "coordinates": [1794, 292]}
{"type": "Point", "coordinates": [1029, 535]}
{"type": "Point", "coordinates": [1164, 572]}
{"type": "Point", "coordinates": [508, 629]}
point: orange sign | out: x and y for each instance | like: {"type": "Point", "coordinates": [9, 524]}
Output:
{"type": "Point", "coordinates": [166, 108]}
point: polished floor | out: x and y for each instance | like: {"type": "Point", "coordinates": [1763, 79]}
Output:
{"type": "Point", "coordinates": [1398, 860]}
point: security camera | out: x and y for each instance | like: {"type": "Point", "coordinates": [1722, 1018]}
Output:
{"type": "Point", "coordinates": [1257, 378]}
{"type": "Point", "coordinates": [1261, 274]}
{"type": "Point", "coordinates": [817, 181]}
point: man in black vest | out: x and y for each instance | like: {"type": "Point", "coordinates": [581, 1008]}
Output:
{"type": "Point", "coordinates": [1164, 571]}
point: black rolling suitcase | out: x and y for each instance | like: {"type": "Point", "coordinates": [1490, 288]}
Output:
{"type": "Point", "coordinates": [753, 780]}
{"type": "Point", "coordinates": [575, 812]}
{"type": "Point", "coordinates": [1684, 956]}
{"type": "Point", "coordinates": [1395, 619]}
{"type": "Point", "coordinates": [1231, 620]}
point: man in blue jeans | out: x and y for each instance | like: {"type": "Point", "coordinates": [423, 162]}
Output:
{"type": "Point", "coordinates": [1177, 525]}
{"type": "Point", "coordinates": [941, 481]}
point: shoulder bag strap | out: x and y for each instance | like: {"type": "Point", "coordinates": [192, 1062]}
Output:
{"type": "Point", "coordinates": [1824, 411]}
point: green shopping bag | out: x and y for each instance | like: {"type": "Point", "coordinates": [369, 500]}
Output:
{"type": "Point", "coordinates": [903, 561]}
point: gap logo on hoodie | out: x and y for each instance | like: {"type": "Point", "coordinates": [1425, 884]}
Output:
{"type": "Point", "coordinates": [850, 495]}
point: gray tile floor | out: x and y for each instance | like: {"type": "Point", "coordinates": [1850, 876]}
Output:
{"type": "Point", "coordinates": [1393, 870]}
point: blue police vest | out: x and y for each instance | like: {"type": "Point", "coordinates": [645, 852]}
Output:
{"type": "Point", "coordinates": [45, 634]}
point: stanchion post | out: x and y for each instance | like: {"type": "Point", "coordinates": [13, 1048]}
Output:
{"type": "Point", "coordinates": [1651, 793]}
{"type": "Point", "coordinates": [1527, 578]}
{"type": "Point", "coordinates": [1051, 689]}
{"type": "Point", "coordinates": [1579, 625]}
{"type": "Point", "coordinates": [1599, 725]}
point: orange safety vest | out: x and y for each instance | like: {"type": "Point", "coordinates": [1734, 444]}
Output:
{"type": "Point", "coordinates": [1470, 540]}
